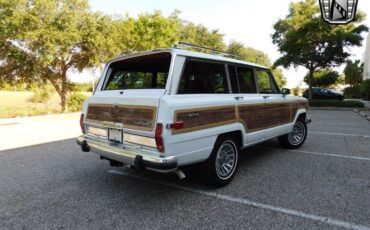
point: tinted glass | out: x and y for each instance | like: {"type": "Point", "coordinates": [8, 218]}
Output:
{"type": "Point", "coordinates": [145, 72]}
{"type": "Point", "coordinates": [246, 80]}
{"type": "Point", "coordinates": [265, 82]}
{"type": "Point", "coordinates": [233, 79]}
{"type": "Point", "coordinates": [203, 78]}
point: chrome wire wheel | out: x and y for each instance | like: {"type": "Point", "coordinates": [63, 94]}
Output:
{"type": "Point", "coordinates": [226, 160]}
{"type": "Point", "coordinates": [298, 134]}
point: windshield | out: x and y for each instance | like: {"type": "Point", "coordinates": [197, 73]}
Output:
{"type": "Point", "coordinates": [143, 72]}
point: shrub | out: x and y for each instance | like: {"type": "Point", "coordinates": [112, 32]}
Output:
{"type": "Point", "coordinates": [353, 92]}
{"type": "Point", "coordinates": [365, 90]}
{"type": "Point", "coordinates": [75, 101]}
{"type": "Point", "coordinates": [41, 95]}
{"type": "Point", "coordinates": [333, 103]}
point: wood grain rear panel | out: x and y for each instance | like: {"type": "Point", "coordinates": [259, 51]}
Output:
{"type": "Point", "coordinates": [131, 117]}
{"type": "Point", "coordinates": [197, 119]}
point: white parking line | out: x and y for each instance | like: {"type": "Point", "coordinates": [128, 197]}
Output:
{"type": "Point", "coordinates": [340, 134]}
{"type": "Point", "coordinates": [332, 155]}
{"type": "Point", "coordinates": [317, 153]}
{"type": "Point", "coordinates": [327, 220]}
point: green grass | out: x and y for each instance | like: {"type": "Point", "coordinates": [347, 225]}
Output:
{"type": "Point", "coordinates": [334, 103]}
{"type": "Point", "coordinates": [17, 104]}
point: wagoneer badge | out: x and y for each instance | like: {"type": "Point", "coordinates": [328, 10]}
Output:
{"type": "Point", "coordinates": [338, 11]}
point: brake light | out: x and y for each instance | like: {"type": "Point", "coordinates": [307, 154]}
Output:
{"type": "Point", "coordinates": [159, 138]}
{"type": "Point", "coordinates": [82, 124]}
{"type": "Point", "coordinates": [177, 125]}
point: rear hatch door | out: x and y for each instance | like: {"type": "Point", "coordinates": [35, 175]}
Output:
{"type": "Point", "coordinates": [128, 96]}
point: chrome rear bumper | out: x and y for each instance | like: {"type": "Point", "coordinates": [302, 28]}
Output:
{"type": "Point", "coordinates": [130, 155]}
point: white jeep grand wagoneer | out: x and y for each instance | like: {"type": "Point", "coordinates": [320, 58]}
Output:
{"type": "Point", "coordinates": [167, 108]}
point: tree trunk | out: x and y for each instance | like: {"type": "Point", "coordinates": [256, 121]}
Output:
{"type": "Point", "coordinates": [310, 81]}
{"type": "Point", "coordinates": [64, 91]}
{"type": "Point", "coordinates": [63, 99]}
{"type": "Point", "coordinates": [60, 84]}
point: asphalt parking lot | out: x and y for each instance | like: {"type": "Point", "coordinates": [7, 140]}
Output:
{"type": "Point", "coordinates": [323, 185]}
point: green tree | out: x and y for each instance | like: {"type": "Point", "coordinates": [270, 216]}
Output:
{"type": "Point", "coordinates": [304, 39]}
{"type": "Point", "coordinates": [154, 30]}
{"type": "Point", "coordinates": [256, 56]}
{"type": "Point", "coordinates": [323, 78]}
{"type": "Point", "coordinates": [149, 31]}
{"type": "Point", "coordinates": [200, 35]}
{"type": "Point", "coordinates": [43, 39]}
{"type": "Point", "coordinates": [353, 73]}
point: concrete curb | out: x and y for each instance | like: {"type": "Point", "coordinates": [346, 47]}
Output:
{"type": "Point", "coordinates": [16, 120]}
{"type": "Point", "coordinates": [362, 113]}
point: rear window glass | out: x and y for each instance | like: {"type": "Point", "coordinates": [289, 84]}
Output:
{"type": "Point", "coordinates": [144, 72]}
{"type": "Point", "coordinates": [203, 78]}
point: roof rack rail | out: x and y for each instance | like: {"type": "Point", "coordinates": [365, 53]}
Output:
{"type": "Point", "coordinates": [185, 45]}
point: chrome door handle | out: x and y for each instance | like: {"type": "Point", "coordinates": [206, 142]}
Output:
{"type": "Point", "coordinates": [265, 97]}
{"type": "Point", "coordinates": [238, 98]}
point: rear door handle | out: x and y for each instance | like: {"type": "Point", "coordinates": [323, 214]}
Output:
{"type": "Point", "coordinates": [238, 98]}
{"type": "Point", "coordinates": [265, 97]}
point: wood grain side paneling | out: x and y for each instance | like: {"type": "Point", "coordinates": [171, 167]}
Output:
{"type": "Point", "coordinates": [132, 117]}
{"type": "Point", "coordinates": [264, 116]}
{"type": "Point", "coordinates": [295, 106]}
{"type": "Point", "coordinates": [254, 117]}
{"type": "Point", "coordinates": [198, 119]}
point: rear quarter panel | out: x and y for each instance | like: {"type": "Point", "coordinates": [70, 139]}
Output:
{"type": "Point", "coordinates": [195, 144]}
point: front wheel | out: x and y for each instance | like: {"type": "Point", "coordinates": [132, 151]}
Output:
{"type": "Point", "coordinates": [296, 137]}
{"type": "Point", "coordinates": [221, 166]}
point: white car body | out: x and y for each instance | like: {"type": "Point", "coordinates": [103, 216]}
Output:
{"type": "Point", "coordinates": [186, 144]}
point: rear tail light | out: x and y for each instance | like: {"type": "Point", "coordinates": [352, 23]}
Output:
{"type": "Point", "coordinates": [159, 138]}
{"type": "Point", "coordinates": [177, 125]}
{"type": "Point", "coordinates": [82, 124]}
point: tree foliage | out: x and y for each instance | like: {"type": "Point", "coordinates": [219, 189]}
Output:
{"type": "Point", "coordinates": [256, 56]}
{"type": "Point", "coordinates": [304, 39]}
{"type": "Point", "coordinates": [353, 73]}
{"type": "Point", "coordinates": [323, 78]}
{"type": "Point", "coordinates": [43, 39]}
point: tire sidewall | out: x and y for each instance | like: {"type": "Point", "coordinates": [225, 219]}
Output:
{"type": "Point", "coordinates": [212, 176]}
{"type": "Point", "coordinates": [304, 125]}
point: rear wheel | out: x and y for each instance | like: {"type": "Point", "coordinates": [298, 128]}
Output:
{"type": "Point", "coordinates": [221, 166]}
{"type": "Point", "coordinates": [296, 137]}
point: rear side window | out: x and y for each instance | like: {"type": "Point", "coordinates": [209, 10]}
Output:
{"type": "Point", "coordinates": [247, 82]}
{"type": "Point", "coordinates": [203, 78]}
{"type": "Point", "coordinates": [144, 72]}
{"type": "Point", "coordinates": [265, 82]}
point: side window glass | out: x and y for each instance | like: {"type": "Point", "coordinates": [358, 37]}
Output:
{"type": "Point", "coordinates": [265, 82]}
{"type": "Point", "coordinates": [233, 78]}
{"type": "Point", "coordinates": [203, 78]}
{"type": "Point", "coordinates": [246, 80]}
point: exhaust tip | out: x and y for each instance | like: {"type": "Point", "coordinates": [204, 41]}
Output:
{"type": "Point", "coordinates": [180, 174]}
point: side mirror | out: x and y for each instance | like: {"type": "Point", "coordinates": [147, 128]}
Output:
{"type": "Point", "coordinates": [285, 91]}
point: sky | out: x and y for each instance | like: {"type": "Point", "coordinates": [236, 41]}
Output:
{"type": "Point", "coordinates": [247, 21]}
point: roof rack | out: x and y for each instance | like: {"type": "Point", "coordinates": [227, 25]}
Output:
{"type": "Point", "coordinates": [185, 45]}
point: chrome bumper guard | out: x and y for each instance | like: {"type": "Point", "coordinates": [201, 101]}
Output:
{"type": "Point", "coordinates": [130, 155]}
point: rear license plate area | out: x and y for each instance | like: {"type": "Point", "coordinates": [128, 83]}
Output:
{"type": "Point", "coordinates": [115, 135]}
{"type": "Point", "coordinates": [102, 133]}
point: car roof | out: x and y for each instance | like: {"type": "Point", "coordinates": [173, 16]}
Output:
{"type": "Point", "coordinates": [192, 54]}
